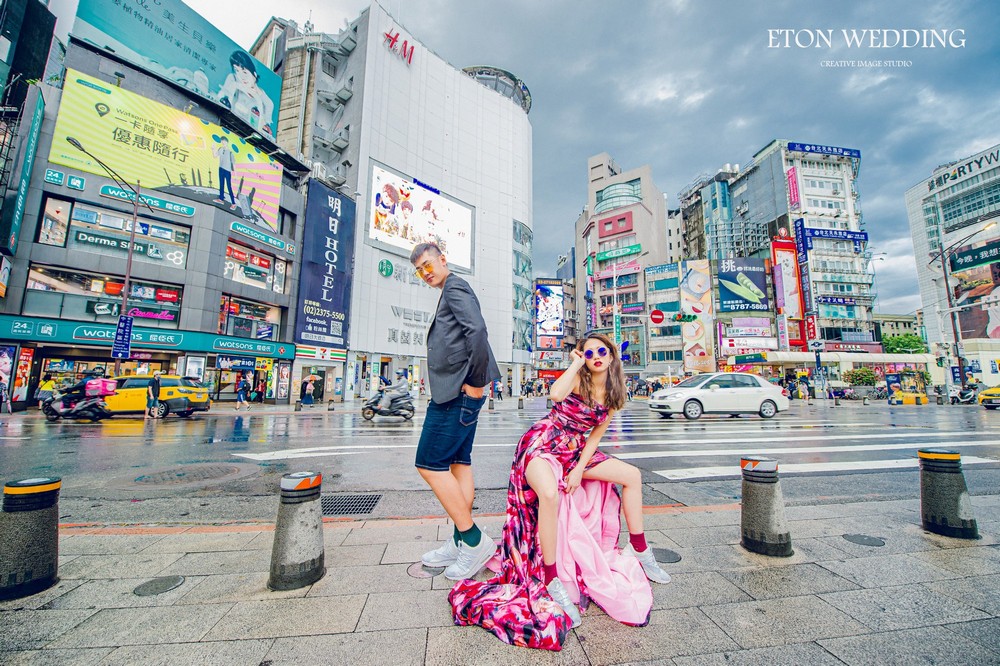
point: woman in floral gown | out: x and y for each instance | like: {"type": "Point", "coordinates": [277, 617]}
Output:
{"type": "Point", "coordinates": [559, 545]}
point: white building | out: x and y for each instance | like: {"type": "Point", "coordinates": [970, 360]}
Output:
{"type": "Point", "coordinates": [385, 119]}
{"type": "Point", "coordinates": [954, 213]}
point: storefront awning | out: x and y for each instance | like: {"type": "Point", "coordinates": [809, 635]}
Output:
{"type": "Point", "coordinates": [809, 358]}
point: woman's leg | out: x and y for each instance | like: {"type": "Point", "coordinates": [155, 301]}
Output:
{"type": "Point", "coordinates": [539, 476]}
{"type": "Point", "coordinates": [630, 479]}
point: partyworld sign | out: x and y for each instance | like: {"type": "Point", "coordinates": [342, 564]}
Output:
{"type": "Point", "coordinates": [870, 38]}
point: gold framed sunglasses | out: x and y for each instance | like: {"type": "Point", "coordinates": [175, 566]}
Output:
{"type": "Point", "coordinates": [424, 268]}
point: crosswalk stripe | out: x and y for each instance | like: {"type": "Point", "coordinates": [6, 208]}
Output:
{"type": "Point", "coordinates": [799, 449]}
{"type": "Point", "coordinates": [794, 438]}
{"type": "Point", "coordinates": [791, 468]}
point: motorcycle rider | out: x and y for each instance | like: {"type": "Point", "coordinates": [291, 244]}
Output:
{"type": "Point", "coordinates": [398, 389]}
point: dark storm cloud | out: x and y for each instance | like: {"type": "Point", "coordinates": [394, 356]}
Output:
{"type": "Point", "coordinates": [689, 86]}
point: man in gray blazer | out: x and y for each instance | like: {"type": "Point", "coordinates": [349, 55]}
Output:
{"type": "Point", "coordinates": [460, 365]}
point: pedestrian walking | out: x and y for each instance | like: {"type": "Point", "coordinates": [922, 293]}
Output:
{"type": "Point", "coordinates": [499, 390]}
{"type": "Point", "coordinates": [307, 395]}
{"type": "Point", "coordinates": [153, 396]}
{"type": "Point", "coordinates": [242, 392]}
{"type": "Point", "coordinates": [560, 538]}
{"type": "Point", "coordinates": [460, 365]}
{"type": "Point", "coordinates": [45, 389]}
{"type": "Point", "coordinates": [5, 398]}
{"type": "Point", "coordinates": [261, 387]}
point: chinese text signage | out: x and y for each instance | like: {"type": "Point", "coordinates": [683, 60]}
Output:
{"type": "Point", "coordinates": [742, 285]}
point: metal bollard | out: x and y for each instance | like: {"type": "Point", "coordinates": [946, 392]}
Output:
{"type": "Point", "coordinates": [918, 400]}
{"type": "Point", "coordinates": [945, 507]}
{"type": "Point", "coordinates": [762, 520]}
{"type": "Point", "coordinates": [864, 400]}
{"type": "Point", "coordinates": [298, 558]}
{"type": "Point", "coordinates": [548, 403]}
{"type": "Point", "coordinates": [490, 405]}
{"type": "Point", "coordinates": [940, 400]}
{"type": "Point", "coordinates": [330, 407]}
{"type": "Point", "coordinates": [520, 402]}
{"type": "Point", "coordinates": [836, 401]}
{"type": "Point", "coordinates": [29, 537]}
{"type": "Point", "coordinates": [298, 405]}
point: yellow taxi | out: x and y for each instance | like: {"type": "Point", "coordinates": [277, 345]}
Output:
{"type": "Point", "coordinates": [990, 398]}
{"type": "Point", "coordinates": [178, 395]}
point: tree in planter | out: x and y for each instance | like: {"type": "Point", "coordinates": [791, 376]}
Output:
{"type": "Point", "coordinates": [907, 343]}
{"type": "Point", "coordinates": [861, 377]}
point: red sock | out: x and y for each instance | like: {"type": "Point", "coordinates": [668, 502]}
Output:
{"type": "Point", "coordinates": [549, 572]}
{"type": "Point", "coordinates": [638, 541]}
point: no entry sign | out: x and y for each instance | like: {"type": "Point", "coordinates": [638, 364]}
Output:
{"type": "Point", "coordinates": [656, 316]}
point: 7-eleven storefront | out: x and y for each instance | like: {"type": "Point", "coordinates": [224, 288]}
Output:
{"type": "Point", "coordinates": [325, 365]}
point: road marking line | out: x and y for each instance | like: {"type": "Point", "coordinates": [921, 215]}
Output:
{"type": "Point", "coordinates": [769, 440]}
{"type": "Point", "coordinates": [854, 465]}
{"type": "Point", "coordinates": [799, 449]}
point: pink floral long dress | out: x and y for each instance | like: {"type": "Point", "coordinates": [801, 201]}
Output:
{"type": "Point", "coordinates": [515, 604]}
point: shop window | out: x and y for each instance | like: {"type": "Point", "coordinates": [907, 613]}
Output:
{"type": "Point", "coordinates": [102, 231]}
{"type": "Point", "coordinates": [73, 295]}
{"type": "Point", "coordinates": [258, 269]}
{"type": "Point", "coordinates": [248, 319]}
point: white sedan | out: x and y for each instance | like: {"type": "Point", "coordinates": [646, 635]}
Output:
{"type": "Point", "coordinates": [720, 393]}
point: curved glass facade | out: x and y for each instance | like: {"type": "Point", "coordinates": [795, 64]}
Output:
{"type": "Point", "coordinates": [619, 195]}
{"type": "Point", "coordinates": [503, 82]}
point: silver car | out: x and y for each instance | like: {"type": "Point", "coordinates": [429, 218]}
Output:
{"type": "Point", "coordinates": [720, 393]}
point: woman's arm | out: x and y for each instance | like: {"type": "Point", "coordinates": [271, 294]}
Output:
{"type": "Point", "coordinates": [574, 478]}
{"type": "Point", "coordinates": [568, 381]}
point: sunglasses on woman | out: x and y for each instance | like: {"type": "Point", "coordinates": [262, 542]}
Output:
{"type": "Point", "coordinates": [601, 351]}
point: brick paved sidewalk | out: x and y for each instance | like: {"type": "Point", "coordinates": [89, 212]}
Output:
{"type": "Point", "coordinates": [920, 598]}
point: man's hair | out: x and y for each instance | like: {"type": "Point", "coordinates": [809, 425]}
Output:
{"type": "Point", "coordinates": [419, 250]}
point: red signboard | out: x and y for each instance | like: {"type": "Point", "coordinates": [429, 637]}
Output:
{"type": "Point", "coordinates": [656, 316]}
{"type": "Point", "coordinates": [811, 327]}
{"type": "Point", "coordinates": [167, 296]}
{"type": "Point", "coordinates": [113, 288]}
{"type": "Point", "coordinates": [260, 261]}
{"type": "Point", "coordinates": [550, 374]}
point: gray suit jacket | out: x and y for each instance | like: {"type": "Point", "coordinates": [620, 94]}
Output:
{"type": "Point", "coordinates": [458, 347]}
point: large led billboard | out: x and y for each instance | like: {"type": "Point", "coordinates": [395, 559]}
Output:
{"type": "Point", "coordinates": [171, 40]}
{"type": "Point", "coordinates": [404, 212]}
{"type": "Point", "coordinates": [785, 267]}
{"type": "Point", "coordinates": [165, 150]}
{"type": "Point", "coordinates": [975, 279]}
{"type": "Point", "coordinates": [549, 313]}
{"type": "Point", "coordinates": [742, 285]}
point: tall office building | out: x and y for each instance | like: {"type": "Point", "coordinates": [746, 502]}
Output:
{"type": "Point", "coordinates": [429, 151]}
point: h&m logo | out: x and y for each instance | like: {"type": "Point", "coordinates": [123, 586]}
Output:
{"type": "Point", "coordinates": [403, 49]}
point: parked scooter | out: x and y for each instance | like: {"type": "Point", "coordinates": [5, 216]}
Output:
{"type": "Point", "coordinates": [960, 396]}
{"type": "Point", "coordinates": [400, 406]}
{"type": "Point", "coordinates": [74, 404]}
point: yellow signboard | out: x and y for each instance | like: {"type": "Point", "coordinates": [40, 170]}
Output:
{"type": "Point", "coordinates": [165, 150]}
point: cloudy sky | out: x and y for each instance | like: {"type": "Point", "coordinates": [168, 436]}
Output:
{"type": "Point", "coordinates": [688, 86]}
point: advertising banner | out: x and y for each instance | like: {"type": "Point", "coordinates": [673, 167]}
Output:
{"type": "Point", "coordinates": [7, 355]}
{"type": "Point", "coordinates": [785, 266]}
{"type": "Point", "coordinates": [15, 199]}
{"type": "Point", "coordinates": [696, 299]}
{"type": "Point", "coordinates": [549, 312]}
{"type": "Point", "coordinates": [23, 374]}
{"type": "Point", "coordinates": [171, 40]}
{"type": "Point", "coordinates": [824, 150]}
{"type": "Point", "coordinates": [793, 189]}
{"type": "Point", "coordinates": [166, 150]}
{"type": "Point", "coordinates": [782, 325]}
{"type": "Point", "coordinates": [751, 322]}
{"type": "Point", "coordinates": [405, 212]}
{"type": "Point", "coordinates": [977, 285]}
{"type": "Point", "coordinates": [327, 268]}
{"type": "Point", "coordinates": [757, 343]}
{"type": "Point", "coordinates": [742, 285]}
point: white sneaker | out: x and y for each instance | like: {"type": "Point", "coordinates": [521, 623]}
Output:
{"type": "Point", "coordinates": [441, 557]}
{"type": "Point", "coordinates": [649, 564]}
{"type": "Point", "coordinates": [471, 560]}
{"type": "Point", "coordinates": [558, 592]}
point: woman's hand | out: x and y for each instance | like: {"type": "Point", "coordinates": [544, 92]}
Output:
{"type": "Point", "coordinates": [574, 479]}
{"type": "Point", "coordinates": [576, 357]}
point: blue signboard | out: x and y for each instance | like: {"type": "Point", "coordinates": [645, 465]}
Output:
{"type": "Point", "coordinates": [10, 228]}
{"type": "Point", "coordinates": [972, 369]}
{"type": "Point", "coordinates": [173, 41]}
{"type": "Point", "coordinates": [235, 363]}
{"type": "Point", "coordinates": [835, 300]}
{"type": "Point", "coordinates": [824, 150]}
{"type": "Point", "coordinates": [327, 268]}
{"type": "Point", "coordinates": [122, 345]}
{"type": "Point", "coordinates": [742, 285]}
{"type": "Point", "coordinates": [799, 229]}
{"type": "Point", "coordinates": [807, 292]}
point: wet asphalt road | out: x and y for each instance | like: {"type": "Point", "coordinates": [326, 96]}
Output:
{"type": "Point", "coordinates": [225, 466]}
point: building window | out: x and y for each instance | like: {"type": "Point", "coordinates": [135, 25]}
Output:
{"type": "Point", "coordinates": [248, 319]}
{"type": "Point", "coordinates": [66, 294]}
{"type": "Point", "coordinates": [258, 269]}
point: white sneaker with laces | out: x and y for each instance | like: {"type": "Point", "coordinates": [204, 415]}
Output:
{"type": "Point", "coordinates": [649, 564]}
{"type": "Point", "coordinates": [471, 560]}
{"type": "Point", "coordinates": [558, 592]}
{"type": "Point", "coordinates": [444, 556]}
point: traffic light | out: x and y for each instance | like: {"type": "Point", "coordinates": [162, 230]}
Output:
{"type": "Point", "coordinates": [940, 361]}
{"type": "Point", "coordinates": [680, 316]}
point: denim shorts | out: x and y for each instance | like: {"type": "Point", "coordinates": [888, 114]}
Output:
{"type": "Point", "coordinates": [449, 429]}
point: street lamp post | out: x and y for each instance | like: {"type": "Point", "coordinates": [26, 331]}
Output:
{"type": "Point", "coordinates": [951, 307]}
{"type": "Point", "coordinates": [121, 182]}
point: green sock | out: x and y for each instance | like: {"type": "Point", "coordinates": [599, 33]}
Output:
{"type": "Point", "coordinates": [457, 536]}
{"type": "Point", "coordinates": [472, 536]}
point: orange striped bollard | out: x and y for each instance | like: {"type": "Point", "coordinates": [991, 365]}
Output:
{"type": "Point", "coordinates": [29, 537]}
{"type": "Point", "coordinates": [298, 557]}
{"type": "Point", "coordinates": [762, 520]}
{"type": "Point", "coordinates": [945, 507]}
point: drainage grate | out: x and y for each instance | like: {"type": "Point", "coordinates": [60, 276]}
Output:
{"type": "Point", "coordinates": [348, 505]}
{"type": "Point", "coordinates": [187, 474]}
{"type": "Point", "coordinates": [865, 540]}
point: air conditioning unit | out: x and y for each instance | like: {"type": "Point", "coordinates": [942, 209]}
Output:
{"type": "Point", "coordinates": [319, 171]}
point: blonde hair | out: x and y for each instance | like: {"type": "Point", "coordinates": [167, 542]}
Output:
{"type": "Point", "coordinates": [614, 382]}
